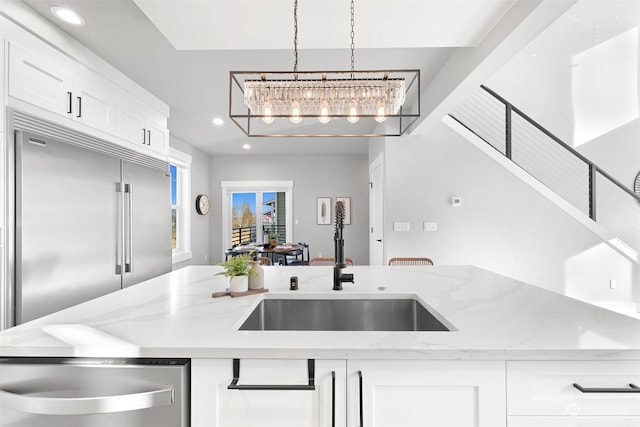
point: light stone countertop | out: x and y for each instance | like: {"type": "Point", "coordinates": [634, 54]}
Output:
{"type": "Point", "coordinates": [173, 315]}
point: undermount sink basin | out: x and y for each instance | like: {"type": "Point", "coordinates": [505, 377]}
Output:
{"type": "Point", "coordinates": [392, 314]}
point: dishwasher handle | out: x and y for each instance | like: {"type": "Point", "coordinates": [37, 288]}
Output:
{"type": "Point", "coordinates": [85, 405]}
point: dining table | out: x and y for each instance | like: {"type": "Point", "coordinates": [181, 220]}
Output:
{"type": "Point", "coordinates": [285, 250]}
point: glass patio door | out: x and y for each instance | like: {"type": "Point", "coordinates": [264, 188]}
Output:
{"type": "Point", "coordinates": [255, 209]}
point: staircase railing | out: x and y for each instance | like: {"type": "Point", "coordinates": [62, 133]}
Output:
{"type": "Point", "coordinates": [553, 162]}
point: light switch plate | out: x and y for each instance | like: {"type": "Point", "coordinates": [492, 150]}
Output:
{"type": "Point", "coordinates": [429, 226]}
{"type": "Point", "coordinates": [401, 226]}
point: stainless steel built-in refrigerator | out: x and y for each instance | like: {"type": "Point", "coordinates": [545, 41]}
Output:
{"type": "Point", "coordinates": [90, 218]}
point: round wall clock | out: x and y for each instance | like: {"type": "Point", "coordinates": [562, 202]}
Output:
{"type": "Point", "coordinates": [202, 204]}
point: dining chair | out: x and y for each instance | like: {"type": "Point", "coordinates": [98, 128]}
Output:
{"type": "Point", "coordinates": [410, 261]}
{"type": "Point", "coordinates": [264, 260]}
{"type": "Point", "coordinates": [328, 261]}
{"type": "Point", "coordinates": [304, 255]}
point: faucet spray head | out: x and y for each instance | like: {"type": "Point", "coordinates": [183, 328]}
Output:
{"type": "Point", "coordinates": [339, 217]}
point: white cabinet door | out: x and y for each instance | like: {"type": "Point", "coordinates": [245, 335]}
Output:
{"type": "Point", "coordinates": [130, 119]}
{"type": "Point", "coordinates": [45, 77]}
{"type": "Point", "coordinates": [213, 404]}
{"type": "Point", "coordinates": [94, 101]}
{"type": "Point", "coordinates": [43, 80]}
{"type": "Point", "coordinates": [141, 125]}
{"type": "Point", "coordinates": [157, 133]}
{"type": "Point", "coordinates": [425, 393]}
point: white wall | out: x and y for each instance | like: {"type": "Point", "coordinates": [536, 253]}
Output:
{"type": "Point", "coordinates": [313, 176]}
{"type": "Point", "coordinates": [200, 224]}
{"type": "Point", "coordinates": [503, 225]}
{"type": "Point", "coordinates": [580, 79]}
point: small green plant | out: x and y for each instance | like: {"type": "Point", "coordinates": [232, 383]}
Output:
{"type": "Point", "coordinates": [236, 266]}
{"type": "Point", "coordinates": [273, 235]}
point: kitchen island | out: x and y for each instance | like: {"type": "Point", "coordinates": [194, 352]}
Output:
{"type": "Point", "coordinates": [505, 336]}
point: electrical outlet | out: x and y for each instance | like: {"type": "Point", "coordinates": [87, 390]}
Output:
{"type": "Point", "coordinates": [401, 226]}
{"type": "Point", "coordinates": [613, 284]}
{"type": "Point", "coordinates": [429, 226]}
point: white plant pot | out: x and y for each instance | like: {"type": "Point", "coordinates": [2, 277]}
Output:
{"type": "Point", "coordinates": [239, 283]}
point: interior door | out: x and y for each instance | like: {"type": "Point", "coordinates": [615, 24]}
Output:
{"type": "Point", "coordinates": [147, 225]}
{"type": "Point", "coordinates": [376, 206]}
{"type": "Point", "coordinates": [65, 225]}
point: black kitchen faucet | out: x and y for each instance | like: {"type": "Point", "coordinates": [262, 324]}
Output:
{"type": "Point", "coordinates": [338, 276]}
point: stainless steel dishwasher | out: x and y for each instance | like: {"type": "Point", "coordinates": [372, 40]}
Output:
{"type": "Point", "coordinates": [88, 392]}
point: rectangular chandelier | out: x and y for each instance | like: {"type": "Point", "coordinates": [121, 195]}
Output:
{"type": "Point", "coordinates": [324, 103]}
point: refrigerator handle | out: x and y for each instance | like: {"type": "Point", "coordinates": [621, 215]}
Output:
{"type": "Point", "coordinates": [120, 225]}
{"type": "Point", "coordinates": [128, 258]}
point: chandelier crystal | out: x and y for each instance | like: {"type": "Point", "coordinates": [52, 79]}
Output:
{"type": "Point", "coordinates": [325, 96]}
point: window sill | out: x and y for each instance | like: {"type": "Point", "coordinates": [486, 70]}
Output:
{"type": "Point", "coordinates": [180, 256]}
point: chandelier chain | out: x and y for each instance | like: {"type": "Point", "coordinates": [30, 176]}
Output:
{"type": "Point", "coordinates": [295, 39]}
{"type": "Point", "coordinates": [353, 35]}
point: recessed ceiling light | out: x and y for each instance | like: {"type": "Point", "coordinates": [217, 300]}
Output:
{"type": "Point", "coordinates": [246, 146]}
{"type": "Point", "coordinates": [217, 121]}
{"type": "Point", "coordinates": [67, 15]}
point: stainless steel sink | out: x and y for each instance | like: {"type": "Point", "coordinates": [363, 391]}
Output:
{"type": "Point", "coordinates": [393, 314]}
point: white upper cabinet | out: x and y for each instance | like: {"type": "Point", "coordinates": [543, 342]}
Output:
{"type": "Point", "coordinates": [140, 124]}
{"type": "Point", "coordinates": [42, 79]}
{"type": "Point", "coordinates": [47, 78]}
{"type": "Point", "coordinates": [94, 101]}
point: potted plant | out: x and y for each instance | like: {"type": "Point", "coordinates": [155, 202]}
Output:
{"type": "Point", "coordinates": [237, 269]}
{"type": "Point", "coordinates": [273, 239]}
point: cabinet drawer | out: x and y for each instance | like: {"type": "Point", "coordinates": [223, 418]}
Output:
{"type": "Point", "coordinates": [573, 422]}
{"type": "Point", "coordinates": [547, 388]}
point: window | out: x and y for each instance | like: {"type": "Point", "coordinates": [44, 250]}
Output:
{"type": "Point", "coordinates": [180, 170]}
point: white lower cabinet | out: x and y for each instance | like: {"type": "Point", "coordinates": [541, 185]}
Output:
{"type": "Point", "coordinates": [348, 393]}
{"type": "Point", "coordinates": [213, 404]}
{"type": "Point", "coordinates": [408, 393]}
{"type": "Point", "coordinates": [573, 393]}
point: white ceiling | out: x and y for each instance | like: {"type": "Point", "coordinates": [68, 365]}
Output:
{"type": "Point", "coordinates": [215, 36]}
{"type": "Point", "coordinates": [322, 24]}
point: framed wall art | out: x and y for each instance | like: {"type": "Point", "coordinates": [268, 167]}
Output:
{"type": "Point", "coordinates": [323, 211]}
{"type": "Point", "coordinates": [347, 208]}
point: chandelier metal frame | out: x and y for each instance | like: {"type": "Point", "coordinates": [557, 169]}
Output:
{"type": "Point", "coordinates": [354, 103]}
